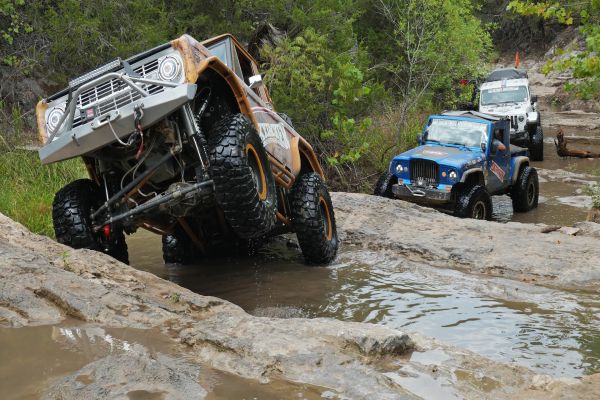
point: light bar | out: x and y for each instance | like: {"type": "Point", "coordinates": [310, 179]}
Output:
{"type": "Point", "coordinates": [95, 73]}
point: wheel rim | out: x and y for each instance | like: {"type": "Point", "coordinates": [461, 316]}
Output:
{"type": "Point", "coordinates": [326, 217]}
{"type": "Point", "coordinates": [530, 193]}
{"type": "Point", "coordinates": [258, 172]}
{"type": "Point", "coordinates": [479, 210]}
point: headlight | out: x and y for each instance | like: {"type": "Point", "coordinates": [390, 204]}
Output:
{"type": "Point", "coordinates": [452, 176]}
{"type": "Point", "coordinates": [169, 68]}
{"type": "Point", "coordinates": [400, 168]}
{"type": "Point", "coordinates": [53, 119]}
{"type": "Point", "coordinates": [521, 118]}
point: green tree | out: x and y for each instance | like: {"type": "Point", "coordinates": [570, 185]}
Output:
{"type": "Point", "coordinates": [584, 64]}
{"type": "Point", "coordinates": [323, 91]}
{"type": "Point", "coordinates": [12, 24]}
{"type": "Point", "coordinates": [426, 46]}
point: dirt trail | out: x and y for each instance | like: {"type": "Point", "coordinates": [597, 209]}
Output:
{"type": "Point", "coordinates": [44, 282]}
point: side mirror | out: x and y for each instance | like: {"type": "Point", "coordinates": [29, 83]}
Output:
{"type": "Point", "coordinates": [420, 138]}
{"type": "Point", "coordinates": [534, 99]}
{"type": "Point", "coordinates": [255, 81]}
{"type": "Point", "coordinates": [483, 147]}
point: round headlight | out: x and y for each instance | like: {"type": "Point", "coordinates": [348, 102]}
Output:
{"type": "Point", "coordinates": [169, 68]}
{"type": "Point", "coordinates": [399, 168]}
{"type": "Point", "coordinates": [54, 118]}
{"type": "Point", "coordinates": [452, 175]}
{"type": "Point", "coordinates": [521, 118]}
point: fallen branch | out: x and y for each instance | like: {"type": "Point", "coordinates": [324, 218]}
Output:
{"type": "Point", "coordinates": [561, 148]}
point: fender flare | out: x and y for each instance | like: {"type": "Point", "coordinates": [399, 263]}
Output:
{"type": "Point", "coordinates": [517, 164]}
{"type": "Point", "coordinates": [472, 171]}
{"type": "Point", "coordinates": [195, 66]}
{"type": "Point", "coordinates": [191, 52]}
{"type": "Point", "coordinates": [303, 156]}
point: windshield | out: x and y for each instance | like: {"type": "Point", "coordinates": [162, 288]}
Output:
{"type": "Point", "coordinates": [466, 133]}
{"type": "Point", "coordinates": [220, 50]}
{"type": "Point", "coordinates": [511, 94]}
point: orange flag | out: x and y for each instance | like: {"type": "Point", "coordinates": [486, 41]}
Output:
{"type": "Point", "coordinates": [517, 60]}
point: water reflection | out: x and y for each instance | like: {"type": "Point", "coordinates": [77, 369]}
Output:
{"type": "Point", "coordinates": [550, 331]}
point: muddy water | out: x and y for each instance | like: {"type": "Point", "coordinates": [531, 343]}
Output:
{"type": "Point", "coordinates": [563, 200]}
{"type": "Point", "coordinates": [32, 359]}
{"type": "Point", "coordinates": [550, 331]}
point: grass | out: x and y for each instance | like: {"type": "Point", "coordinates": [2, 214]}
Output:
{"type": "Point", "coordinates": [27, 187]}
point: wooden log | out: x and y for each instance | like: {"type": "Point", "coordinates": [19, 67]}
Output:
{"type": "Point", "coordinates": [563, 151]}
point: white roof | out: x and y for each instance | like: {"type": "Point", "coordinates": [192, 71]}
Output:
{"type": "Point", "coordinates": [505, 83]}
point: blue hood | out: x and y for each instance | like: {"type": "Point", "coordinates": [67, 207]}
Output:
{"type": "Point", "coordinates": [443, 155]}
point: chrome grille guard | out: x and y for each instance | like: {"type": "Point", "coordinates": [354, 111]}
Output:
{"type": "Point", "coordinates": [131, 81]}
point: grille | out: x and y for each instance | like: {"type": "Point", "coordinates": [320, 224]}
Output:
{"type": "Point", "coordinates": [424, 171]}
{"type": "Point", "coordinates": [513, 122]}
{"type": "Point", "coordinates": [114, 94]}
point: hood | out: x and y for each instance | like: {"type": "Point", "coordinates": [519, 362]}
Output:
{"type": "Point", "coordinates": [444, 155]}
{"type": "Point", "coordinates": [506, 109]}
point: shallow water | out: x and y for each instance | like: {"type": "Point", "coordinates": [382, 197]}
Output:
{"type": "Point", "coordinates": [551, 331]}
{"type": "Point", "coordinates": [33, 358]}
{"type": "Point", "coordinates": [548, 330]}
{"type": "Point", "coordinates": [563, 200]}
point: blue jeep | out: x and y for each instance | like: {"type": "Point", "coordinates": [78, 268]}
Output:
{"type": "Point", "coordinates": [464, 158]}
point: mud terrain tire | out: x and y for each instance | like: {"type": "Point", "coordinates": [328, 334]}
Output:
{"type": "Point", "coordinates": [474, 202]}
{"type": "Point", "coordinates": [71, 217]}
{"type": "Point", "coordinates": [526, 190]}
{"type": "Point", "coordinates": [536, 148]}
{"type": "Point", "coordinates": [313, 219]}
{"type": "Point", "coordinates": [383, 186]}
{"type": "Point", "coordinates": [241, 171]}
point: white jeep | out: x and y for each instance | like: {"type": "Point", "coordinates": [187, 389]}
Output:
{"type": "Point", "coordinates": [506, 92]}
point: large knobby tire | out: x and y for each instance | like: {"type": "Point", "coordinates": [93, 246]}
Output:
{"type": "Point", "coordinates": [71, 217]}
{"type": "Point", "coordinates": [313, 219]}
{"type": "Point", "coordinates": [536, 147]}
{"type": "Point", "coordinates": [177, 247]}
{"type": "Point", "coordinates": [474, 202]}
{"type": "Point", "coordinates": [241, 171]}
{"type": "Point", "coordinates": [526, 190]}
{"type": "Point", "coordinates": [383, 186]}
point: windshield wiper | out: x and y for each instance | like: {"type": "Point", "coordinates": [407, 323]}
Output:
{"type": "Point", "coordinates": [459, 144]}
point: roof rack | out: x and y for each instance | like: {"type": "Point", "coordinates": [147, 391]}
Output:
{"type": "Point", "coordinates": [473, 114]}
{"type": "Point", "coordinates": [506, 73]}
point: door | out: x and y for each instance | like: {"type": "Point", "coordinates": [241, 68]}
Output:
{"type": "Point", "coordinates": [499, 160]}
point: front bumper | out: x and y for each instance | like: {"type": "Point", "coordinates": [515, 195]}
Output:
{"type": "Point", "coordinates": [421, 195]}
{"type": "Point", "coordinates": [94, 135]}
{"type": "Point", "coordinates": [519, 137]}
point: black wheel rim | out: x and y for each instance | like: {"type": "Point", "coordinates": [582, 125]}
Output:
{"type": "Point", "coordinates": [479, 210]}
{"type": "Point", "coordinates": [530, 193]}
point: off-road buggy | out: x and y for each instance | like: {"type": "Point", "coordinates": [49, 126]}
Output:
{"type": "Point", "coordinates": [182, 140]}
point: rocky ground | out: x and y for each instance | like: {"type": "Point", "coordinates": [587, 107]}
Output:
{"type": "Point", "coordinates": [45, 283]}
{"type": "Point", "coordinates": [511, 250]}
